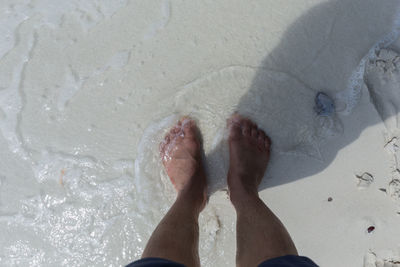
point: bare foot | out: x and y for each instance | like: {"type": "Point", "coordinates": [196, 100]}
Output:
{"type": "Point", "coordinates": [249, 149]}
{"type": "Point", "coordinates": [181, 156]}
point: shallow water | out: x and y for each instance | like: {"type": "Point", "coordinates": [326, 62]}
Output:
{"type": "Point", "coordinates": [89, 88]}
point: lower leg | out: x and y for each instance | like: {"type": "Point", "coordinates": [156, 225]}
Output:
{"type": "Point", "coordinates": [177, 235]}
{"type": "Point", "coordinates": [260, 234]}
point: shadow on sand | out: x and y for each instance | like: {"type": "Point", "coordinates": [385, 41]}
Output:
{"type": "Point", "coordinates": [318, 52]}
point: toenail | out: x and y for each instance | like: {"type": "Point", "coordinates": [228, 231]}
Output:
{"type": "Point", "coordinates": [235, 119]}
{"type": "Point", "coordinates": [234, 125]}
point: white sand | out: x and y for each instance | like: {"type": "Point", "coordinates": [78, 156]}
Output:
{"type": "Point", "coordinates": [87, 89]}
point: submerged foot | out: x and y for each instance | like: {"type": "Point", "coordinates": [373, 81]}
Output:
{"type": "Point", "coordinates": [181, 156]}
{"type": "Point", "coordinates": [249, 149]}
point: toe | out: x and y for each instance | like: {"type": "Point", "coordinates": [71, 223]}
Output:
{"type": "Point", "coordinates": [234, 126]}
{"type": "Point", "coordinates": [261, 139]}
{"type": "Point", "coordinates": [189, 127]}
{"type": "Point", "coordinates": [254, 132]}
{"type": "Point", "coordinates": [261, 134]}
{"type": "Point", "coordinates": [164, 143]}
{"type": "Point", "coordinates": [235, 131]}
{"type": "Point", "coordinates": [174, 130]}
{"type": "Point", "coordinates": [246, 127]}
{"type": "Point", "coordinates": [162, 147]}
{"type": "Point", "coordinates": [246, 130]}
{"type": "Point", "coordinates": [267, 142]}
{"type": "Point", "coordinates": [184, 120]}
{"type": "Point", "coordinates": [167, 139]}
{"type": "Point", "coordinates": [235, 118]}
{"type": "Point", "coordinates": [246, 122]}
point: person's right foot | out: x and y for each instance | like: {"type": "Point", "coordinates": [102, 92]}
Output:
{"type": "Point", "coordinates": [249, 150]}
{"type": "Point", "coordinates": [180, 153]}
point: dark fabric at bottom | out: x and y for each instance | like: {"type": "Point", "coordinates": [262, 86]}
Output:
{"type": "Point", "coordinates": [154, 262]}
{"type": "Point", "coordinates": [284, 261]}
{"type": "Point", "coordinates": [289, 261]}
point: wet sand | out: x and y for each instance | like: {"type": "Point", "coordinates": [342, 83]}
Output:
{"type": "Point", "coordinates": [88, 88]}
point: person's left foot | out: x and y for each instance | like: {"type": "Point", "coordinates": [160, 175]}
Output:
{"type": "Point", "coordinates": [181, 156]}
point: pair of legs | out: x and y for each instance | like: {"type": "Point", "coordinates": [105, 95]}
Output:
{"type": "Point", "coordinates": [260, 234]}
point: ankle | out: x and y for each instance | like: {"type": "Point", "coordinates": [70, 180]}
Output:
{"type": "Point", "coordinates": [193, 196]}
{"type": "Point", "coordinates": [242, 196]}
{"type": "Point", "coordinates": [194, 204]}
{"type": "Point", "coordinates": [242, 186]}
